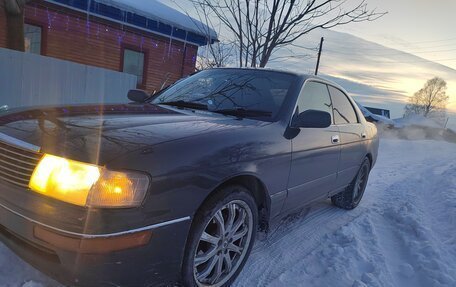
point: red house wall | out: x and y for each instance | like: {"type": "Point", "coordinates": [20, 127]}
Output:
{"type": "Point", "coordinates": [71, 35]}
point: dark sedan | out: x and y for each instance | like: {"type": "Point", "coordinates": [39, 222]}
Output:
{"type": "Point", "coordinates": [172, 189]}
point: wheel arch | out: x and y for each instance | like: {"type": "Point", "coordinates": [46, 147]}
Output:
{"type": "Point", "coordinates": [259, 193]}
{"type": "Point", "coordinates": [257, 189]}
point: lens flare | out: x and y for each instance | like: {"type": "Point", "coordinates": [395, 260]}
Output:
{"type": "Point", "coordinates": [64, 179]}
{"type": "Point", "coordinates": [88, 185]}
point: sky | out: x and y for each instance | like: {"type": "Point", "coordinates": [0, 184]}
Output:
{"type": "Point", "coordinates": [375, 75]}
{"type": "Point", "coordinates": [423, 27]}
{"type": "Point", "coordinates": [383, 62]}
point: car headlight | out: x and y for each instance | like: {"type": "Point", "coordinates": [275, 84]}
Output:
{"type": "Point", "coordinates": [88, 185]}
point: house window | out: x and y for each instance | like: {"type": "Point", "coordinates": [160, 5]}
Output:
{"type": "Point", "coordinates": [32, 38]}
{"type": "Point", "coordinates": [133, 63]}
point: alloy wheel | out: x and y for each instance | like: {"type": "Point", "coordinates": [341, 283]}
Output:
{"type": "Point", "coordinates": [360, 183]}
{"type": "Point", "coordinates": [223, 244]}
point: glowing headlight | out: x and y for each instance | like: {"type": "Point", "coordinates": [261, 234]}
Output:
{"type": "Point", "coordinates": [88, 185]}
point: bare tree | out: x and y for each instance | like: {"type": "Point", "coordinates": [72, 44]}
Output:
{"type": "Point", "coordinates": [217, 52]}
{"type": "Point", "coordinates": [260, 27]}
{"type": "Point", "coordinates": [430, 101]}
{"type": "Point", "coordinates": [15, 23]}
{"type": "Point", "coordinates": [214, 55]}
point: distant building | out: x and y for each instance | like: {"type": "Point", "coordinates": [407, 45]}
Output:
{"type": "Point", "coordinates": [145, 38]}
{"type": "Point", "coordinates": [380, 112]}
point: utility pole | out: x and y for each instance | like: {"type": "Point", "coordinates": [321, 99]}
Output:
{"type": "Point", "coordinates": [319, 55]}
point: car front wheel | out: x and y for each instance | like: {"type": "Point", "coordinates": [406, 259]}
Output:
{"type": "Point", "coordinates": [221, 238]}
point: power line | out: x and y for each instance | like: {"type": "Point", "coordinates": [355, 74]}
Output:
{"type": "Point", "coordinates": [432, 41]}
{"type": "Point", "coordinates": [391, 54]}
{"type": "Point", "coordinates": [301, 57]}
{"type": "Point", "coordinates": [404, 62]}
{"type": "Point", "coordinates": [416, 48]}
{"type": "Point", "coordinates": [304, 47]}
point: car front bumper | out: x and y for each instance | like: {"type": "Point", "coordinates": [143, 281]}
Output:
{"type": "Point", "coordinates": [157, 263]}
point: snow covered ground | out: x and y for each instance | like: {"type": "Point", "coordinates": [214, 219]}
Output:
{"type": "Point", "coordinates": [402, 234]}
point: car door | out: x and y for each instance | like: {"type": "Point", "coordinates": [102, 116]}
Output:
{"type": "Point", "coordinates": [352, 137]}
{"type": "Point", "coordinates": [315, 151]}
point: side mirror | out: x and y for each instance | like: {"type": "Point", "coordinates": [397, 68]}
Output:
{"type": "Point", "coordinates": [138, 96]}
{"type": "Point", "coordinates": [312, 119]}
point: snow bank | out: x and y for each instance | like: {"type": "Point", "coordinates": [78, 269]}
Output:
{"type": "Point", "coordinates": [402, 234]}
{"type": "Point", "coordinates": [417, 120]}
{"type": "Point", "coordinates": [417, 128]}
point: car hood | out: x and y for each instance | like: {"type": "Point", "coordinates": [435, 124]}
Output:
{"type": "Point", "coordinates": [99, 134]}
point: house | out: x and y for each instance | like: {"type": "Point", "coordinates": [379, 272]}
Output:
{"type": "Point", "coordinates": [141, 37]}
{"type": "Point", "coordinates": [380, 112]}
{"type": "Point", "coordinates": [374, 117]}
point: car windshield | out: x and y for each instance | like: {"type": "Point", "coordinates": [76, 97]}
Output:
{"type": "Point", "coordinates": [244, 93]}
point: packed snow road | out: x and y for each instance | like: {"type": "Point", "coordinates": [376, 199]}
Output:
{"type": "Point", "coordinates": [402, 234]}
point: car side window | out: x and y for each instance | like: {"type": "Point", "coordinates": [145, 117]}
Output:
{"type": "Point", "coordinates": [343, 110]}
{"type": "Point", "coordinates": [314, 96]}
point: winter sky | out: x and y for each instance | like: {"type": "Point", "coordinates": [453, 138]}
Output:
{"type": "Point", "coordinates": [382, 62]}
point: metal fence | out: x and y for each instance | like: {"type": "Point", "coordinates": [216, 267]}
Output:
{"type": "Point", "coordinates": [29, 80]}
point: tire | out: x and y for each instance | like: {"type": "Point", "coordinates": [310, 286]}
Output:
{"type": "Point", "coordinates": [214, 252]}
{"type": "Point", "coordinates": [352, 195]}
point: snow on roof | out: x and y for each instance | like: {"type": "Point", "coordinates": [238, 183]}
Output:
{"type": "Point", "coordinates": [378, 118]}
{"type": "Point", "coordinates": [158, 11]}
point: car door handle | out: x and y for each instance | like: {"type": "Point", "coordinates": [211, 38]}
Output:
{"type": "Point", "coordinates": [335, 139]}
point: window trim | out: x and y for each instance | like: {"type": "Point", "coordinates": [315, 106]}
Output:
{"type": "Point", "coordinates": [349, 100]}
{"type": "Point", "coordinates": [44, 34]}
{"type": "Point", "coordinates": [143, 83]}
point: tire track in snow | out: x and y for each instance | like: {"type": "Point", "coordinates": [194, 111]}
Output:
{"type": "Point", "coordinates": [295, 240]}
{"type": "Point", "coordinates": [412, 253]}
{"type": "Point", "coordinates": [299, 237]}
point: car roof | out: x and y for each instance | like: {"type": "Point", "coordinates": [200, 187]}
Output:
{"type": "Point", "coordinates": [259, 69]}
{"type": "Point", "coordinates": [326, 81]}
{"type": "Point", "coordinates": [303, 76]}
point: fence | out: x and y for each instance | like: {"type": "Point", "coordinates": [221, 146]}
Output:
{"type": "Point", "coordinates": [29, 80]}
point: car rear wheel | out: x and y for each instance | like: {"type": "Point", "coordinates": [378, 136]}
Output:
{"type": "Point", "coordinates": [351, 196]}
{"type": "Point", "coordinates": [221, 238]}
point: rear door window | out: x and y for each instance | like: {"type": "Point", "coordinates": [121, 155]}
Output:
{"type": "Point", "coordinates": [343, 110]}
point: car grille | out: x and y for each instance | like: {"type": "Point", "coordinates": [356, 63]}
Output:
{"type": "Point", "coordinates": [17, 164]}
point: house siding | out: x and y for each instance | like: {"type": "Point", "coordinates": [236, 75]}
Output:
{"type": "Point", "coordinates": [71, 35]}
